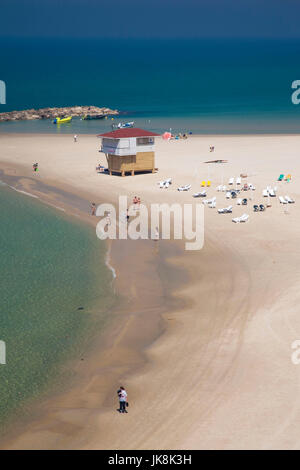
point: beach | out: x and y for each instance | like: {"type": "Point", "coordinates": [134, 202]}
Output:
{"type": "Point", "coordinates": [201, 340]}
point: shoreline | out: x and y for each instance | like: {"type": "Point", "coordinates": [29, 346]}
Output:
{"type": "Point", "coordinates": [122, 314]}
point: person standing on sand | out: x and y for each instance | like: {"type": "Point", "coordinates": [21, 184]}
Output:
{"type": "Point", "coordinates": [122, 394]}
{"type": "Point", "coordinates": [93, 208]}
{"type": "Point", "coordinates": [75, 138]}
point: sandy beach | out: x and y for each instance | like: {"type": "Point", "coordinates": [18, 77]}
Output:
{"type": "Point", "coordinates": [201, 340]}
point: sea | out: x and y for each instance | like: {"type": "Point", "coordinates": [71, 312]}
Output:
{"type": "Point", "coordinates": [203, 86]}
{"type": "Point", "coordinates": [56, 296]}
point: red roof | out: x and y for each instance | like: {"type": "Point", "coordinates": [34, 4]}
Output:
{"type": "Point", "coordinates": [125, 133]}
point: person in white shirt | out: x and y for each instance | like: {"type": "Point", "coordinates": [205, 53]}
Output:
{"type": "Point", "coordinates": [122, 394]}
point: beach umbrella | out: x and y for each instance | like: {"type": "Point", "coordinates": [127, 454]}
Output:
{"type": "Point", "coordinates": [167, 136]}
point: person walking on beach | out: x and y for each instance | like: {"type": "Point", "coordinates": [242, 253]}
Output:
{"type": "Point", "coordinates": [75, 138]}
{"type": "Point", "coordinates": [35, 167]}
{"type": "Point", "coordinates": [122, 394]}
{"type": "Point", "coordinates": [93, 208]}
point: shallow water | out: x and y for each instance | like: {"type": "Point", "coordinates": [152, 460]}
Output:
{"type": "Point", "coordinates": [56, 293]}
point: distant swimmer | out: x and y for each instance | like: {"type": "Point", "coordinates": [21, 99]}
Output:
{"type": "Point", "coordinates": [122, 394]}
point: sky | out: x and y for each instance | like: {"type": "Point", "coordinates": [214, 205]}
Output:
{"type": "Point", "coordinates": [150, 18]}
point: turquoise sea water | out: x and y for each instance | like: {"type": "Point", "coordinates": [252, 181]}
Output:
{"type": "Point", "coordinates": [55, 295]}
{"type": "Point", "coordinates": [205, 86]}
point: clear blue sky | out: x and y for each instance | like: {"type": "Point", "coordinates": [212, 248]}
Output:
{"type": "Point", "coordinates": [151, 18]}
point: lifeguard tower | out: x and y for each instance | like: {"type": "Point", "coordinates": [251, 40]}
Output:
{"type": "Point", "coordinates": [129, 150]}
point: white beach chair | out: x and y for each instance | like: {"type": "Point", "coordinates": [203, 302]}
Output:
{"type": "Point", "coordinates": [282, 200]}
{"type": "Point", "coordinates": [212, 205]}
{"type": "Point", "coordinates": [242, 218]}
{"type": "Point", "coordinates": [200, 194]}
{"type": "Point", "coordinates": [184, 188]}
{"type": "Point", "coordinates": [210, 201]}
{"type": "Point", "coordinates": [219, 188]}
{"type": "Point", "coordinates": [252, 187]}
{"type": "Point", "coordinates": [289, 200]}
{"type": "Point", "coordinates": [272, 192]}
{"type": "Point", "coordinates": [238, 180]}
{"type": "Point", "coordinates": [231, 181]}
{"type": "Point", "coordinates": [239, 201]}
{"type": "Point", "coordinates": [228, 195]}
{"type": "Point", "coordinates": [225, 210]}
{"type": "Point", "coordinates": [224, 188]}
{"type": "Point", "coordinates": [165, 183]}
{"type": "Point", "coordinates": [265, 193]}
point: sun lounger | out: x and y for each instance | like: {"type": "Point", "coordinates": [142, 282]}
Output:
{"type": "Point", "coordinates": [261, 207]}
{"type": "Point", "coordinates": [255, 208]}
{"type": "Point", "coordinates": [239, 201]}
{"type": "Point", "coordinates": [244, 202]}
{"type": "Point", "coordinates": [212, 205]}
{"type": "Point", "coordinates": [243, 218]}
{"type": "Point", "coordinates": [272, 192]}
{"type": "Point", "coordinates": [219, 188]}
{"type": "Point", "coordinates": [289, 200]}
{"type": "Point", "coordinates": [238, 180]}
{"type": "Point", "coordinates": [208, 184]}
{"type": "Point", "coordinates": [184, 188]}
{"type": "Point", "coordinates": [225, 210]}
{"type": "Point", "coordinates": [200, 194]}
{"type": "Point", "coordinates": [231, 181]}
{"type": "Point", "coordinates": [265, 193]}
{"type": "Point", "coordinates": [280, 178]}
{"type": "Point", "coordinates": [282, 200]}
{"type": "Point", "coordinates": [203, 184]}
{"type": "Point", "coordinates": [252, 187]}
{"type": "Point", "coordinates": [209, 201]}
{"type": "Point", "coordinates": [228, 195]}
{"type": "Point", "coordinates": [165, 183]}
{"type": "Point", "coordinates": [224, 188]}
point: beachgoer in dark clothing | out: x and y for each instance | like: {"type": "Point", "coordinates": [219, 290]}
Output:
{"type": "Point", "coordinates": [122, 394]}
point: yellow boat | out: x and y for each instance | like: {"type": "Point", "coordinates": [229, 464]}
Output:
{"type": "Point", "coordinates": [62, 120]}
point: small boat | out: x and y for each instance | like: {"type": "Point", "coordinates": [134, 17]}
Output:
{"type": "Point", "coordinates": [121, 125]}
{"type": "Point", "coordinates": [89, 117]}
{"type": "Point", "coordinates": [58, 120]}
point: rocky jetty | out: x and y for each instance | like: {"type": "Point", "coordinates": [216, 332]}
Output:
{"type": "Point", "coordinates": [51, 113]}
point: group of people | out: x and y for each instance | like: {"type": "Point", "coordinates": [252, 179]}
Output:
{"type": "Point", "coordinates": [136, 202]}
